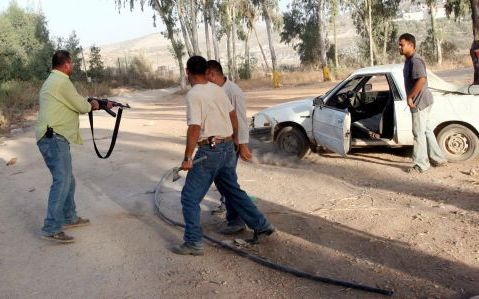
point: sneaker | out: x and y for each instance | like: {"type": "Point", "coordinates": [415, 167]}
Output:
{"type": "Point", "coordinates": [79, 222]}
{"type": "Point", "coordinates": [219, 210]}
{"type": "Point", "coordinates": [259, 235]}
{"type": "Point", "coordinates": [60, 237]}
{"type": "Point", "coordinates": [186, 249]}
{"type": "Point", "coordinates": [232, 229]}
{"type": "Point", "coordinates": [414, 169]}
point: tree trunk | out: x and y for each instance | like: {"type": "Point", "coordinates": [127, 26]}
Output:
{"type": "Point", "coordinates": [262, 50]}
{"type": "Point", "coordinates": [228, 51]}
{"type": "Point", "coordinates": [182, 72]}
{"type": "Point", "coordinates": [213, 33]}
{"type": "Point", "coordinates": [336, 60]}
{"type": "Point", "coordinates": [233, 41]}
{"type": "Point", "coordinates": [322, 41]}
{"type": "Point", "coordinates": [176, 45]}
{"type": "Point", "coordinates": [370, 32]}
{"type": "Point", "coordinates": [194, 27]}
{"type": "Point", "coordinates": [267, 20]}
{"type": "Point", "coordinates": [385, 42]}
{"type": "Point", "coordinates": [475, 43]}
{"type": "Point", "coordinates": [439, 51]}
{"type": "Point", "coordinates": [435, 44]}
{"type": "Point", "coordinates": [184, 30]}
{"type": "Point", "coordinates": [246, 55]}
{"type": "Point", "coordinates": [207, 29]}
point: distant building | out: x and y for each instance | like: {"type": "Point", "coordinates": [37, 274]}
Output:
{"type": "Point", "coordinates": [421, 12]}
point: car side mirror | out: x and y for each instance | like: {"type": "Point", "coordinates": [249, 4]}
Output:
{"type": "Point", "coordinates": [368, 87]}
{"type": "Point", "coordinates": [318, 101]}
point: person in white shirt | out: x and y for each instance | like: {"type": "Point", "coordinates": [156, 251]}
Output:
{"type": "Point", "coordinates": [212, 126]}
{"type": "Point", "coordinates": [214, 74]}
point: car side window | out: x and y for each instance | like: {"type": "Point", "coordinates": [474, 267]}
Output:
{"type": "Point", "coordinates": [376, 83]}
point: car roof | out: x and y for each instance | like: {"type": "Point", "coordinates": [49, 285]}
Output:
{"type": "Point", "coordinates": [388, 68]}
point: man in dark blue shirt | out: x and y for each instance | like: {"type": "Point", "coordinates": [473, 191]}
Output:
{"type": "Point", "coordinates": [419, 99]}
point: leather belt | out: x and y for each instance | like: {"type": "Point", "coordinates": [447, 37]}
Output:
{"type": "Point", "coordinates": [216, 140]}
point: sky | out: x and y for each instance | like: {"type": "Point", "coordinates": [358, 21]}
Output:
{"type": "Point", "coordinates": [95, 21]}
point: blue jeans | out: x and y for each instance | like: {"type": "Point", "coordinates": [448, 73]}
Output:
{"type": "Point", "coordinates": [219, 166]}
{"type": "Point", "coordinates": [61, 202]}
{"type": "Point", "coordinates": [232, 217]}
{"type": "Point", "coordinates": [425, 143]}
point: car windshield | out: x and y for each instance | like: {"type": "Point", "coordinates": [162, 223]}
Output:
{"type": "Point", "coordinates": [329, 91]}
{"type": "Point", "coordinates": [351, 85]}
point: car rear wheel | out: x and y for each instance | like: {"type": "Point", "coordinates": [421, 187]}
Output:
{"type": "Point", "coordinates": [458, 142]}
{"type": "Point", "coordinates": [292, 141]}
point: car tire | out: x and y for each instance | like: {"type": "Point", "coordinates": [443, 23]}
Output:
{"type": "Point", "coordinates": [458, 143]}
{"type": "Point", "coordinates": [292, 141]}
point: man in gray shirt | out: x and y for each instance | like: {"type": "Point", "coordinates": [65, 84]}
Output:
{"type": "Point", "coordinates": [419, 99]}
{"type": "Point", "coordinates": [214, 74]}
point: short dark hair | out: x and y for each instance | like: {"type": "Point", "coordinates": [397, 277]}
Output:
{"type": "Point", "coordinates": [196, 65]}
{"type": "Point", "coordinates": [60, 58]}
{"type": "Point", "coordinates": [214, 65]}
{"type": "Point", "coordinates": [408, 37]}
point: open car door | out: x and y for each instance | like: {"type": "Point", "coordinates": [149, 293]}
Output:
{"type": "Point", "coordinates": [332, 128]}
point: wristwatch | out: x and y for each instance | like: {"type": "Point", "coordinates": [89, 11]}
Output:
{"type": "Point", "coordinates": [186, 159]}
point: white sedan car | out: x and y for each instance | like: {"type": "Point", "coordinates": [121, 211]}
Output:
{"type": "Point", "coordinates": [369, 109]}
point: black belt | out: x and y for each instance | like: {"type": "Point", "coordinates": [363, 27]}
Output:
{"type": "Point", "coordinates": [113, 138]}
{"type": "Point", "coordinates": [214, 140]}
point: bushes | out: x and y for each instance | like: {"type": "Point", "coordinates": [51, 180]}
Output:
{"type": "Point", "coordinates": [16, 98]}
{"type": "Point", "coordinates": [246, 68]}
{"type": "Point", "coordinates": [139, 74]}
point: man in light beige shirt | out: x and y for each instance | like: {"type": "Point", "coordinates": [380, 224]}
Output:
{"type": "Point", "coordinates": [212, 126]}
{"type": "Point", "coordinates": [214, 73]}
{"type": "Point", "coordinates": [57, 127]}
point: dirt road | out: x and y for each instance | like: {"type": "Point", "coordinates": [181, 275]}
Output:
{"type": "Point", "coordinates": [359, 218]}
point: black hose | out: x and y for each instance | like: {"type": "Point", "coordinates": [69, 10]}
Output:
{"type": "Point", "coordinates": [261, 260]}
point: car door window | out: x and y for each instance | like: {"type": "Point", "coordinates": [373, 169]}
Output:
{"type": "Point", "coordinates": [376, 83]}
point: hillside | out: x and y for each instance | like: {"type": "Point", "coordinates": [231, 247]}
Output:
{"type": "Point", "coordinates": [155, 48]}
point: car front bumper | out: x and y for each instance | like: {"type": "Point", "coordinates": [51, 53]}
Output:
{"type": "Point", "coordinates": [263, 134]}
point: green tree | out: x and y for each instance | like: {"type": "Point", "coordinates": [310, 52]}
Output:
{"type": "Point", "coordinates": [96, 69]}
{"type": "Point", "coordinates": [304, 26]}
{"type": "Point", "coordinates": [72, 45]}
{"type": "Point", "coordinates": [300, 25]}
{"type": "Point", "coordinates": [270, 11]}
{"type": "Point", "coordinates": [335, 5]}
{"type": "Point", "coordinates": [25, 47]}
{"type": "Point", "coordinates": [373, 22]}
{"type": "Point", "coordinates": [459, 8]}
{"type": "Point", "coordinates": [169, 16]}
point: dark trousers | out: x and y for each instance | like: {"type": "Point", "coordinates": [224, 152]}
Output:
{"type": "Point", "coordinates": [220, 167]}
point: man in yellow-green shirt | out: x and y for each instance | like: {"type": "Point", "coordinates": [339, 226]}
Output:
{"type": "Point", "coordinates": [57, 127]}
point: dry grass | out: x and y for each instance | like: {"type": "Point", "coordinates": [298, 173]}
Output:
{"type": "Point", "coordinates": [93, 89]}
{"type": "Point", "coordinates": [296, 78]}
{"type": "Point", "coordinates": [19, 100]}
{"type": "Point", "coordinates": [308, 77]}
{"type": "Point", "coordinates": [16, 99]}
{"type": "Point", "coordinates": [460, 61]}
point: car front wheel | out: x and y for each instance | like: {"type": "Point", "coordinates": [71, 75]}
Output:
{"type": "Point", "coordinates": [292, 141]}
{"type": "Point", "coordinates": [458, 142]}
